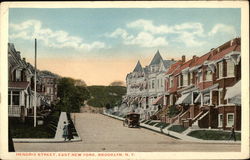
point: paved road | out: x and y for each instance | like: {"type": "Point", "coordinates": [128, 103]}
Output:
{"type": "Point", "coordinates": [104, 134]}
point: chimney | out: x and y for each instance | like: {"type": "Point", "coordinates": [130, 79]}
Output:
{"type": "Point", "coordinates": [24, 59]}
{"type": "Point", "coordinates": [183, 58]}
{"type": "Point", "coordinates": [194, 57]}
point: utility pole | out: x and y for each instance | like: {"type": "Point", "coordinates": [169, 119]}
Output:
{"type": "Point", "coordinates": [35, 89]}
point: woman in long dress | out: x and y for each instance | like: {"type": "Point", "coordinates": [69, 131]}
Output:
{"type": "Point", "coordinates": [65, 131]}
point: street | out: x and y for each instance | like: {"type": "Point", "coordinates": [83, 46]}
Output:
{"type": "Point", "coordinates": [100, 133]}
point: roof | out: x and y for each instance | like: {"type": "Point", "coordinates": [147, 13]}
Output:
{"type": "Point", "coordinates": [18, 85]}
{"type": "Point", "coordinates": [173, 67]}
{"type": "Point", "coordinates": [225, 52]}
{"type": "Point", "coordinates": [168, 63]}
{"type": "Point", "coordinates": [138, 67]}
{"type": "Point", "coordinates": [157, 58]}
{"type": "Point", "coordinates": [201, 60]}
{"type": "Point", "coordinates": [184, 66]}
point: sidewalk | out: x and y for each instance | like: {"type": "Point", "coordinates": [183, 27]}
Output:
{"type": "Point", "coordinates": [182, 136]}
{"type": "Point", "coordinates": [58, 136]}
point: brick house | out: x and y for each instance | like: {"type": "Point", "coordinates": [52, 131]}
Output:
{"type": "Point", "coordinates": [199, 86]}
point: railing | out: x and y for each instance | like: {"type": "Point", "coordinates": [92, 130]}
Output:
{"type": "Point", "coordinates": [14, 111]}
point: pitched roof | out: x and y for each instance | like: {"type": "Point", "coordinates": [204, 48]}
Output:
{"type": "Point", "coordinates": [184, 66]}
{"type": "Point", "coordinates": [138, 67]}
{"type": "Point", "coordinates": [168, 63]}
{"type": "Point", "coordinates": [157, 58]}
{"type": "Point", "coordinates": [201, 60]}
{"type": "Point", "coordinates": [225, 52]}
{"type": "Point", "coordinates": [18, 85]}
{"type": "Point", "coordinates": [173, 67]}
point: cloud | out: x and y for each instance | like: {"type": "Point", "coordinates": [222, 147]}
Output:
{"type": "Point", "coordinates": [148, 26]}
{"type": "Point", "coordinates": [145, 39]}
{"type": "Point", "coordinates": [223, 29]}
{"type": "Point", "coordinates": [31, 29]}
{"type": "Point", "coordinates": [189, 33]}
{"type": "Point", "coordinates": [142, 39]}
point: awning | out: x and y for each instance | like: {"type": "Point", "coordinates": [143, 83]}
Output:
{"type": "Point", "coordinates": [158, 100]}
{"type": "Point", "coordinates": [233, 94]}
{"type": "Point", "coordinates": [18, 85]}
{"type": "Point", "coordinates": [206, 99]}
{"type": "Point", "coordinates": [184, 99]}
{"type": "Point", "coordinates": [141, 100]}
{"type": "Point", "coordinates": [234, 91]}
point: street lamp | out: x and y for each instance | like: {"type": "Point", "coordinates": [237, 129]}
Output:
{"type": "Point", "coordinates": [35, 88]}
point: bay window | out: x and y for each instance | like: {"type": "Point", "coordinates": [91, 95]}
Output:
{"type": "Point", "coordinates": [230, 68]}
{"type": "Point", "coordinates": [209, 75]}
{"type": "Point", "coordinates": [185, 79]}
{"type": "Point", "coordinates": [220, 69]}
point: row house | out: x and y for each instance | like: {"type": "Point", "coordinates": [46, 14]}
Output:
{"type": "Point", "coordinates": [198, 88]}
{"type": "Point", "coordinates": [21, 85]}
{"type": "Point", "coordinates": [146, 86]}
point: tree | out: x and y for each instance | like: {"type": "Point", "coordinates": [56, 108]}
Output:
{"type": "Point", "coordinates": [117, 83]}
{"type": "Point", "coordinates": [72, 97]}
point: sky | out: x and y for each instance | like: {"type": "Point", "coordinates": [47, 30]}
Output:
{"type": "Point", "coordinates": [102, 45]}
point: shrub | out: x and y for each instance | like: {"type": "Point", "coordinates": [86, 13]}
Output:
{"type": "Point", "coordinates": [177, 128]}
{"type": "Point", "coordinates": [213, 135]}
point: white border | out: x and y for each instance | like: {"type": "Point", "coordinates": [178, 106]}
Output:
{"type": "Point", "coordinates": [135, 4]}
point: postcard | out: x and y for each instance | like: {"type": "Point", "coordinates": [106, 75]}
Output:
{"type": "Point", "coordinates": [124, 80]}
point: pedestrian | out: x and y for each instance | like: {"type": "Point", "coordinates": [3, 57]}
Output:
{"type": "Point", "coordinates": [65, 131]}
{"type": "Point", "coordinates": [70, 135]}
{"type": "Point", "coordinates": [232, 135]}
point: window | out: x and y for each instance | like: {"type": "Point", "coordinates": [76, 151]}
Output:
{"type": "Point", "coordinates": [200, 77]}
{"type": "Point", "coordinates": [191, 78]}
{"type": "Point", "coordinates": [158, 83]}
{"type": "Point", "coordinates": [161, 82]}
{"type": "Point", "coordinates": [179, 81]}
{"type": "Point", "coordinates": [230, 69]}
{"type": "Point", "coordinates": [171, 99]}
{"type": "Point", "coordinates": [149, 85]}
{"type": "Point", "coordinates": [153, 84]}
{"type": "Point", "coordinates": [230, 119]}
{"type": "Point", "coordinates": [171, 82]}
{"type": "Point", "coordinates": [209, 75]}
{"type": "Point", "coordinates": [220, 120]}
{"type": "Point", "coordinates": [185, 79]}
{"type": "Point", "coordinates": [221, 97]}
{"type": "Point", "coordinates": [206, 99]}
{"type": "Point", "coordinates": [220, 69]}
{"type": "Point", "coordinates": [15, 98]}
{"type": "Point", "coordinates": [18, 75]}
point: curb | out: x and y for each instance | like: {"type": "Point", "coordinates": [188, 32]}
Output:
{"type": "Point", "coordinates": [175, 135]}
{"type": "Point", "coordinates": [49, 140]}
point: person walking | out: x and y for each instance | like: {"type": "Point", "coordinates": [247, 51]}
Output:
{"type": "Point", "coordinates": [232, 135]}
{"type": "Point", "coordinates": [70, 135]}
{"type": "Point", "coordinates": [65, 131]}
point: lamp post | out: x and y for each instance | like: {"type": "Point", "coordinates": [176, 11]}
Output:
{"type": "Point", "coordinates": [35, 88]}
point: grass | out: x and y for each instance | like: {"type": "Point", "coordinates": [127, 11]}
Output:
{"type": "Point", "coordinates": [152, 123]}
{"type": "Point", "coordinates": [177, 128]}
{"type": "Point", "coordinates": [213, 135]}
{"type": "Point", "coordinates": [147, 122]}
{"type": "Point", "coordinates": [27, 129]}
{"type": "Point", "coordinates": [162, 125]}
{"type": "Point", "coordinates": [143, 121]}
